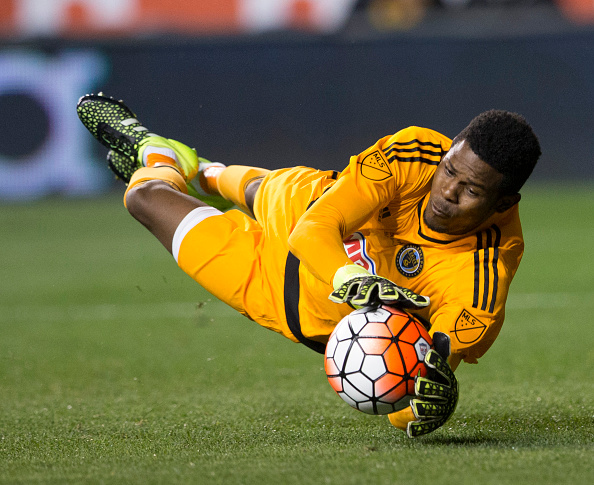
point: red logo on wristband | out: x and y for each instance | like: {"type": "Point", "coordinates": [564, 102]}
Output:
{"type": "Point", "coordinates": [356, 248]}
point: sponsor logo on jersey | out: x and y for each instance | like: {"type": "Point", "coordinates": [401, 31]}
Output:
{"type": "Point", "coordinates": [374, 166]}
{"type": "Point", "coordinates": [409, 260]}
{"type": "Point", "coordinates": [468, 328]}
{"type": "Point", "coordinates": [356, 248]}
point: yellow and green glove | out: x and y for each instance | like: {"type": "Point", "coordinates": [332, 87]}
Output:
{"type": "Point", "coordinates": [437, 394]}
{"type": "Point", "coordinates": [353, 284]}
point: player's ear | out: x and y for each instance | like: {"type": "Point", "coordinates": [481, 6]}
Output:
{"type": "Point", "coordinates": [507, 201]}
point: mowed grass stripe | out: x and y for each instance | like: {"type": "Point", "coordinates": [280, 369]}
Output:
{"type": "Point", "coordinates": [103, 312]}
{"type": "Point", "coordinates": [116, 368]}
{"type": "Point", "coordinates": [188, 309]}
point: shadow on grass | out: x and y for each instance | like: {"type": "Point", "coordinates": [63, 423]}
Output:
{"type": "Point", "coordinates": [475, 440]}
{"type": "Point", "coordinates": [521, 430]}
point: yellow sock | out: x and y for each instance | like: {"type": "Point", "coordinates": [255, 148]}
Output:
{"type": "Point", "coordinates": [233, 180]}
{"type": "Point", "coordinates": [166, 173]}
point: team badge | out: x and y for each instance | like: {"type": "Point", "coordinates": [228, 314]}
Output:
{"type": "Point", "coordinates": [409, 260]}
{"type": "Point", "coordinates": [375, 167]}
{"type": "Point", "coordinates": [468, 328]}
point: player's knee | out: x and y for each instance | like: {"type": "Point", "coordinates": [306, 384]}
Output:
{"type": "Point", "coordinates": [140, 198]}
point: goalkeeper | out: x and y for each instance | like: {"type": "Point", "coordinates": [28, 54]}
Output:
{"type": "Point", "coordinates": [417, 221]}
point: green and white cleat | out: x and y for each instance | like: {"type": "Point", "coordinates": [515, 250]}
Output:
{"type": "Point", "coordinates": [185, 157]}
{"type": "Point", "coordinates": [115, 126]}
{"type": "Point", "coordinates": [122, 165]}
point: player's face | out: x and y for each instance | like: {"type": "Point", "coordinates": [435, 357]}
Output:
{"type": "Point", "coordinates": [464, 193]}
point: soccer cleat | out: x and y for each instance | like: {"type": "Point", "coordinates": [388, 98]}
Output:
{"type": "Point", "coordinates": [122, 165]}
{"type": "Point", "coordinates": [185, 157]}
{"type": "Point", "coordinates": [115, 126]}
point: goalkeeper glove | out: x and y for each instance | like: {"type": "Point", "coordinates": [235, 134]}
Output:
{"type": "Point", "coordinates": [355, 285]}
{"type": "Point", "coordinates": [437, 393]}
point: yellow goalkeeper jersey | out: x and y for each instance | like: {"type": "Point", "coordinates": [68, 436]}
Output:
{"type": "Point", "coordinates": [278, 269]}
{"type": "Point", "coordinates": [372, 216]}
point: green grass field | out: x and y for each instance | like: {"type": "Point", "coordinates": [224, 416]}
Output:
{"type": "Point", "coordinates": [116, 368]}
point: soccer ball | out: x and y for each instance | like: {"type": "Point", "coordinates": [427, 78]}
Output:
{"type": "Point", "coordinates": [373, 356]}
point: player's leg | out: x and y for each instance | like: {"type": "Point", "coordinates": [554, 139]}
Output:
{"type": "Point", "coordinates": [156, 169]}
{"type": "Point", "coordinates": [134, 146]}
{"type": "Point", "coordinates": [157, 195]}
{"type": "Point", "coordinates": [236, 183]}
{"type": "Point", "coordinates": [160, 206]}
{"type": "Point", "coordinates": [219, 251]}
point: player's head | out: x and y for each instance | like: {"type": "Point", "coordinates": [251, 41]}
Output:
{"type": "Point", "coordinates": [507, 143]}
{"type": "Point", "coordinates": [481, 174]}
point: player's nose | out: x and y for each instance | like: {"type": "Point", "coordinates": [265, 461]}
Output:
{"type": "Point", "coordinates": [449, 192]}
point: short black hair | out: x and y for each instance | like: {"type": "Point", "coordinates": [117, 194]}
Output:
{"type": "Point", "coordinates": [505, 141]}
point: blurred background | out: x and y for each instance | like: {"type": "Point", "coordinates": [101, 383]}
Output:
{"type": "Point", "coordinates": [116, 368]}
{"type": "Point", "coordinates": [282, 82]}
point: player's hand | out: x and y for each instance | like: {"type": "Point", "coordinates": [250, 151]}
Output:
{"type": "Point", "coordinates": [437, 394]}
{"type": "Point", "coordinates": [363, 289]}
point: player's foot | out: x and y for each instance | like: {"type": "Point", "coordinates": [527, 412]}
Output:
{"type": "Point", "coordinates": [121, 166]}
{"type": "Point", "coordinates": [115, 126]}
{"type": "Point", "coordinates": [182, 155]}
{"type": "Point", "coordinates": [205, 184]}
{"type": "Point", "coordinates": [208, 171]}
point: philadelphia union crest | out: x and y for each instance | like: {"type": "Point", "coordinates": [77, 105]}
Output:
{"type": "Point", "coordinates": [409, 260]}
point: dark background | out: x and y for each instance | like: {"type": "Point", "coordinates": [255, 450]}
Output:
{"type": "Point", "coordinates": [315, 102]}
{"type": "Point", "coordinates": [292, 98]}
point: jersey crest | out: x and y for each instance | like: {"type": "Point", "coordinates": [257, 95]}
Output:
{"type": "Point", "coordinates": [356, 248]}
{"type": "Point", "coordinates": [375, 167]}
{"type": "Point", "coordinates": [468, 328]}
{"type": "Point", "coordinates": [410, 260]}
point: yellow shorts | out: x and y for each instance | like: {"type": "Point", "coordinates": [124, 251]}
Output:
{"type": "Point", "coordinates": [242, 261]}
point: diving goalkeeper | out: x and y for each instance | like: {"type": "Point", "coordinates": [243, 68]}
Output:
{"type": "Point", "coordinates": [417, 221]}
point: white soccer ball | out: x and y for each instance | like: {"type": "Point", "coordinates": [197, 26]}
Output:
{"type": "Point", "coordinates": [373, 356]}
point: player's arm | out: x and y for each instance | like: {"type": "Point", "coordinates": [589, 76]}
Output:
{"type": "Point", "coordinates": [317, 239]}
{"type": "Point", "coordinates": [469, 335]}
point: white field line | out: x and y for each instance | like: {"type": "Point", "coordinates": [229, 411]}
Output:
{"type": "Point", "coordinates": [164, 310]}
